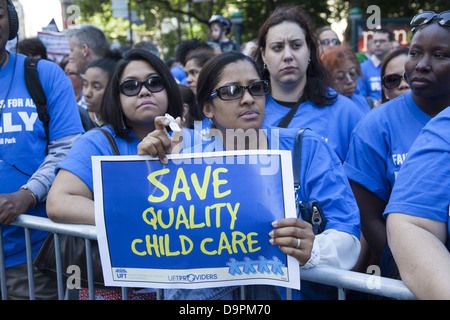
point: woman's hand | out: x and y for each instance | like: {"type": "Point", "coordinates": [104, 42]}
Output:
{"type": "Point", "coordinates": [158, 143]}
{"type": "Point", "coordinates": [294, 237]}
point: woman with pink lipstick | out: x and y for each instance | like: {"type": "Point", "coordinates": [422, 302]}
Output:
{"type": "Point", "coordinates": [382, 140]}
{"type": "Point", "coordinates": [300, 86]}
{"type": "Point", "coordinates": [141, 88]}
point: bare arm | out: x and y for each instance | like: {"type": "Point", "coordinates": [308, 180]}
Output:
{"type": "Point", "coordinates": [372, 222]}
{"type": "Point", "coordinates": [421, 256]}
{"type": "Point", "coordinates": [70, 200]}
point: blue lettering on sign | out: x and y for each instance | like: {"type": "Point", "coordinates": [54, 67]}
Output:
{"type": "Point", "coordinates": [121, 273]}
{"type": "Point", "coordinates": [262, 265]}
{"type": "Point", "coordinates": [192, 277]}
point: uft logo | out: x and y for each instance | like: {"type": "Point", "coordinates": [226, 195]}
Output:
{"type": "Point", "coordinates": [121, 273]}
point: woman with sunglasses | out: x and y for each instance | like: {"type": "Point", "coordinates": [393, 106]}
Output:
{"type": "Point", "coordinates": [392, 70]}
{"type": "Point", "coordinates": [141, 88]}
{"type": "Point", "coordinates": [382, 140]}
{"type": "Point", "coordinates": [232, 94]}
{"type": "Point", "coordinates": [300, 93]}
{"type": "Point", "coordinates": [343, 65]}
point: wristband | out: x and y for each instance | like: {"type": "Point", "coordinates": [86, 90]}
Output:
{"type": "Point", "coordinates": [35, 200]}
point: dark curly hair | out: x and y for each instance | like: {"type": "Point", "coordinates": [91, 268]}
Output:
{"type": "Point", "coordinates": [318, 77]}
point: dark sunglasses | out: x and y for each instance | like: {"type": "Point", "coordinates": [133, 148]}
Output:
{"type": "Point", "coordinates": [133, 87]}
{"type": "Point", "coordinates": [232, 92]}
{"type": "Point", "coordinates": [327, 42]}
{"type": "Point", "coordinates": [391, 81]}
{"type": "Point", "coordinates": [428, 16]}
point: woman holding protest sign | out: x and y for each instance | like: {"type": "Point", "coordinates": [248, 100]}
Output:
{"type": "Point", "coordinates": [141, 88]}
{"type": "Point", "coordinates": [235, 103]}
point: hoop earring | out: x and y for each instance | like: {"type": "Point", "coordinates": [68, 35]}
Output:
{"type": "Point", "coordinates": [265, 66]}
{"type": "Point", "coordinates": [309, 60]}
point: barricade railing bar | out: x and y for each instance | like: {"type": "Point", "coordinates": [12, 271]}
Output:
{"type": "Point", "coordinates": [341, 279]}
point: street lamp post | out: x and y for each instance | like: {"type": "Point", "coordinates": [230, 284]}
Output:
{"type": "Point", "coordinates": [236, 19]}
{"type": "Point", "coordinates": [131, 22]}
{"type": "Point", "coordinates": [355, 15]}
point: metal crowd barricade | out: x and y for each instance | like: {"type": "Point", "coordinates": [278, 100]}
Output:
{"type": "Point", "coordinates": [341, 279]}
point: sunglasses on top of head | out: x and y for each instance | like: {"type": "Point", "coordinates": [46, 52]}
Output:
{"type": "Point", "coordinates": [232, 92]}
{"type": "Point", "coordinates": [428, 16]}
{"type": "Point", "coordinates": [133, 87]}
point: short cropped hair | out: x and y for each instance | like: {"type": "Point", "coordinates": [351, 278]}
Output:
{"type": "Point", "coordinates": [32, 47]}
{"type": "Point", "coordinates": [90, 35]}
{"type": "Point", "coordinates": [384, 30]}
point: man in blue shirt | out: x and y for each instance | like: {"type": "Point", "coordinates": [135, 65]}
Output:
{"type": "Point", "coordinates": [27, 163]}
{"type": "Point", "coordinates": [370, 84]}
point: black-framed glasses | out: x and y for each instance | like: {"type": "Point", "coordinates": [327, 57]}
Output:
{"type": "Point", "coordinates": [133, 87]}
{"type": "Point", "coordinates": [327, 42]}
{"type": "Point", "coordinates": [391, 80]}
{"type": "Point", "coordinates": [232, 92]}
{"type": "Point", "coordinates": [428, 16]}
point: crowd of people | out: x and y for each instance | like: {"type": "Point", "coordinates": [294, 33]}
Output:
{"type": "Point", "coordinates": [375, 157]}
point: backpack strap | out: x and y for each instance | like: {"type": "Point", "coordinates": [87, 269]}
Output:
{"type": "Point", "coordinates": [111, 141]}
{"type": "Point", "coordinates": [297, 157]}
{"type": "Point", "coordinates": [36, 91]}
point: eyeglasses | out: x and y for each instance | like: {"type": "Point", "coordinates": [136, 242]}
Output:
{"type": "Point", "coordinates": [342, 77]}
{"type": "Point", "coordinates": [428, 16]}
{"type": "Point", "coordinates": [380, 41]}
{"type": "Point", "coordinates": [391, 81]}
{"type": "Point", "coordinates": [232, 92]}
{"type": "Point", "coordinates": [327, 42]}
{"type": "Point", "coordinates": [133, 87]}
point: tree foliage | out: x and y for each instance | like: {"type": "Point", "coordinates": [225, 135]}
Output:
{"type": "Point", "coordinates": [168, 22]}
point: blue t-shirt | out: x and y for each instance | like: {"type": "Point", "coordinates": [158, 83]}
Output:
{"type": "Point", "coordinates": [23, 140]}
{"type": "Point", "coordinates": [361, 102]}
{"type": "Point", "coordinates": [334, 123]}
{"type": "Point", "coordinates": [423, 185]}
{"type": "Point", "coordinates": [322, 176]}
{"type": "Point", "coordinates": [370, 84]}
{"type": "Point", "coordinates": [380, 143]}
{"type": "Point", "coordinates": [179, 74]}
